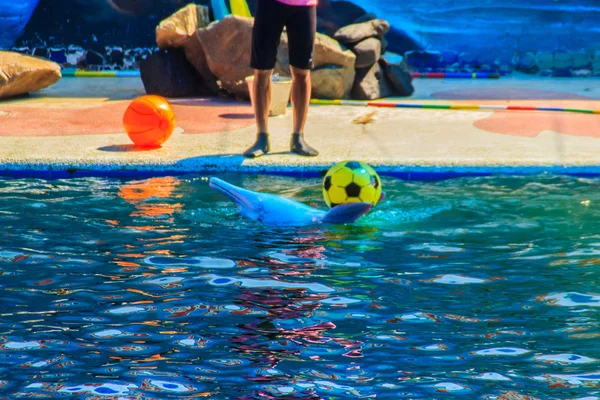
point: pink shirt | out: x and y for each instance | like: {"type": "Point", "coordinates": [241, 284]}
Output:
{"type": "Point", "coordinates": [299, 2]}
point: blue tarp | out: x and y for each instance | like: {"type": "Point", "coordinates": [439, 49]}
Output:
{"type": "Point", "coordinates": [14, 16]}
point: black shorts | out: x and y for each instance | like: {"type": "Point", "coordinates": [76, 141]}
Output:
{"type": "Point", "coordinates": [270, 18]}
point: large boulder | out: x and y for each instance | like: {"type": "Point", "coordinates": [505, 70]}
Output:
{"type": "Point", "coordinates": [195, 54]}
{"type": "Point", "coordinates": [355, 33]}
{"type": "Point", "coordinates": [227, 46]}
{"type": "Point", "coordinates": [328, 52]}
{"type": "Point", "coordinates": [180, 31]}
{"type": "Point", "coordinates": [168, 73]}
{"type": "Point", "coordinates": [399, 76]}
{"type": "Point", "coordinates": [329, 82]}
{"type": "Point", "coordinates": [20, 74]}
{"type": "Point", "coordinates": [175, 31]}
{"type": "Point", "coordinates": [371, 84]}
{"type": "Point", "coordinates": [367, 52]}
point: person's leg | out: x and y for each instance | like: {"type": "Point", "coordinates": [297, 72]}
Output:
{"type": "Point", "coordinates": [266, 34]}
{"type": "Point", "coordinates": [301, 90]}
{"type": "Point", "coordinates": [301, 29]}
{"type": "Point", "coordinates": [261, 94]}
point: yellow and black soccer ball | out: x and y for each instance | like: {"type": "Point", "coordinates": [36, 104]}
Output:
{"type": "Point", "coordinates": [351, 182]}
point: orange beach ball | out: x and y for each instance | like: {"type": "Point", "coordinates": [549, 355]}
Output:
{"type": "Point", "coordinates": [149, 121]}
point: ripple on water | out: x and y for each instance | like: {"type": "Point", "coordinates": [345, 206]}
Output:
{"type": "Point", "coordinates": [501, 351]}
{"type": "Point", "coordinates": [216, 280]}
{"type": "Point", "coordinates": [103, 302]}
{"type": "Point", "coordinates": [202, 262]}
{"type": "Point", "coordinates": [570, 299]}
{"type": "Point", "coordinates": [455, 280]}
{"type": "Point", "coordinates": [564, 359]}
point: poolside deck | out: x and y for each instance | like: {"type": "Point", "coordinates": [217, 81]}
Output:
{"type": "Point", "coordinates": [76, 126]}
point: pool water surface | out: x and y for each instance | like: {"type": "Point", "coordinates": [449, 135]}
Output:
{"type": "Point", "coordinates": [158, 288]}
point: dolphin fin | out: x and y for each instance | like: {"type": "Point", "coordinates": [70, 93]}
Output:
{"type": "Point", "coordinates": [347, 213]}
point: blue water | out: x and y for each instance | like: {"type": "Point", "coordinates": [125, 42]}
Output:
{"type": "Point", "coordinates": [470, 287]}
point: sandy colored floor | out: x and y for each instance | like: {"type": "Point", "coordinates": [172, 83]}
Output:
{"type": "Point", "coordinates": [76, 124]}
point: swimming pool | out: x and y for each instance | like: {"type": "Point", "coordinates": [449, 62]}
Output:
{"type": "Point", "coordinates": [157, 288]}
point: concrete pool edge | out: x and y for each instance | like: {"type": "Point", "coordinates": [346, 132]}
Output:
{"type": "Point", "coordinates": [409, 172]}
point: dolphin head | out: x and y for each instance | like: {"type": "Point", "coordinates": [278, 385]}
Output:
{"type": "Point", "coordinates": [245, 200]}
{"type": "Point", "coordinates": [265, 207]}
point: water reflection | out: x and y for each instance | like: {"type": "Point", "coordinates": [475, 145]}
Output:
{"type": "Point", "coordinates": [143, 195]}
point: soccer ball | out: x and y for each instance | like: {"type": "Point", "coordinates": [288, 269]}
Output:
{"type": "Point", "coordinates": [351, 182]}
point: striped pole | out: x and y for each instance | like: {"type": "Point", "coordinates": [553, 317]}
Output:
{"type": "Point", "coordinates": [357, 103]}
{"type": "Point", "coordinates": [100, 74]}
{"type": "Point", "coordinates": [455, 75]}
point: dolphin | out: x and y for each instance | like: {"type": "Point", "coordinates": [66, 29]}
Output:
{"type": "Point", "coordinates": [272, 209]}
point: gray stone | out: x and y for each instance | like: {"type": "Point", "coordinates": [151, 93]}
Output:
{"type": "Point", "coordinates": [399, 76]}
{"type": "Point", "coordinates": [358, 32]}
{"type": "Point", "coordinates": [168, 73]}
{"type": "Point", "coordinates": [370, 83]}
{"type": "Point", "coordinates": [367, 52]}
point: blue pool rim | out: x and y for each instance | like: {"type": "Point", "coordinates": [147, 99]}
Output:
{"type": "Point", "coordinates": [400, 172]}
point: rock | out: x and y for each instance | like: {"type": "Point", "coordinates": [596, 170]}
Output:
{"type": "Point", "coordinates": [178, 28]}
{"type": "Point", "coordinates": [544, 60]}
{"type": "Point", "coordinates": [20, 74]}
{"type": "Point", "coordinates": [358, 32]}
{"type": "Point", "coordinates": [367, 52]}
{"type": "Point", "coordinates": [399, 76]}
{"type": "Point", "coordinates": [329, 52]}
{"type": "Point", "coordinates": [168, 73]}
{"type": "Point", "coordinates": [194, 52]}
{"type": "Point", "coordinates": [227, 43]}
{"type": "Point", "coordinates": [424, 59]}
{"type": "Point", "coordinates": [328, 82]}
{"type": "Point", "coordinates": [227, 46]}
{"type": "Point", "coordinates": [370, 83]}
